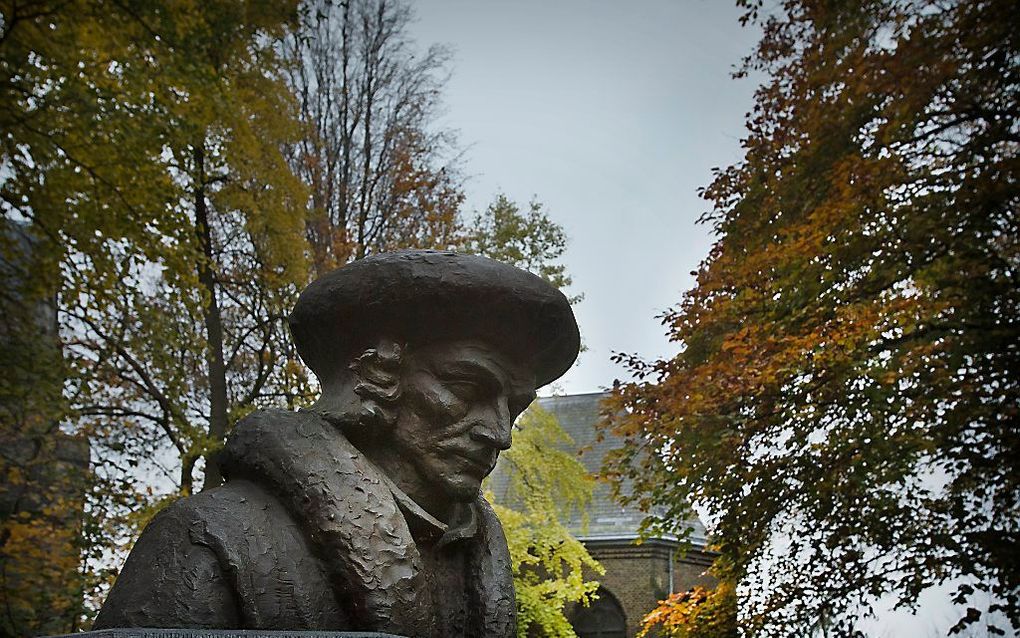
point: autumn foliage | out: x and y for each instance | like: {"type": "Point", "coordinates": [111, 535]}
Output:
{"type": "Point", "coordinates": [845, 402]}
{"type": "Point", "coordinates": [697, 613]}
{"type": "Point", "coordinates": [547, 482]}
{"type": "Point", "coordinates": [174, 172]}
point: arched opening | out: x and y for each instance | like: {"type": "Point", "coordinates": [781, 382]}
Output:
{"type": "Point", "coordinates": [603, 618]}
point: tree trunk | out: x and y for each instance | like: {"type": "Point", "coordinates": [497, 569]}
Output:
{"type": "Point", "coordinates": [213, 325]}
{"type": "Point", "coordinates": [187, 475]}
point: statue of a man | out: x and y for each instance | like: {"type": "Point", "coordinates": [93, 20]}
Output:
{"type": "Point", "coordinates": [363, 512]}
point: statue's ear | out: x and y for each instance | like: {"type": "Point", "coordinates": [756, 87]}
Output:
{"type": "Point", "coordinates": [377, 383]}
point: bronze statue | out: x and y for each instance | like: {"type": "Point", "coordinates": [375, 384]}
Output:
{"type": "Point", "coordinates": [363, 512]}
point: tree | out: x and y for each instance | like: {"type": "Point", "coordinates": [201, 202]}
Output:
{"type": "Point", "coordinates": [380, 171]}
{"type": "Point", "coordinates": [170, 354]}
{"type": "Point", "coordinates": [844, 403]}
{"type": "Point", "coordinates": [77, 150]}
{"type": "Point", "coordinates": [546, 483]}
{"type": "Point", "coordinates": [144, 151]}
{"type": "Point", "coordinates": [530, 240]}
{"type": "Point", "coordinates": [42, 471]}
{"type": "Point", "coordinates": [150, 151]}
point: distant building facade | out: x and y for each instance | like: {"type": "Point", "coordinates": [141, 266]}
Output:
{"type": "Point", "coordinates": [637, 575]}
{"type": "Point", "coordinates": [42, 469]}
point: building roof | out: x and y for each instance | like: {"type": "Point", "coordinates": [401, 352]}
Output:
{"type": "Point", "coordinates": [607, 519]}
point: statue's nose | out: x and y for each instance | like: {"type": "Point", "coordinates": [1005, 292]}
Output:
{"type": "Point", "coordinates": [494, 427]}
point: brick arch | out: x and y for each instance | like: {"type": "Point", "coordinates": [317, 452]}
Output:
{"type": "Point", "coordinates": [603, 618]}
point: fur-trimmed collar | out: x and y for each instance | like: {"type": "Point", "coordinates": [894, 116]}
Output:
{"type": "Point", "coordinates": [358, 525]}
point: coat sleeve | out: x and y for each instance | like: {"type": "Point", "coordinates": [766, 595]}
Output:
{"type": "Point", "coordinates": [169, 580]}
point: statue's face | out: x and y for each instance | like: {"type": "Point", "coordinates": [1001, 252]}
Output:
{"type": "Point", "coordinates": [458, 403]}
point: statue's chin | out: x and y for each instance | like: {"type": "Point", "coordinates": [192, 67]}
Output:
{"type": "Point", "coordinates": [462, 488]}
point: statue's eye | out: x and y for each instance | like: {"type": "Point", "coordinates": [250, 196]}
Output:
{"type": "Point", "coordinates": [465, 390]}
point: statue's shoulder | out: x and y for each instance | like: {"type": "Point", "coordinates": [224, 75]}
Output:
{"type": "Point", "coordinates": [217, 515]}
{"type": "Point", "coordinates": [222, 517]}
{"type": "Point", "coordinates": [211, 559]}
{"type": "Point", "coordinates": [180, 571]}
{"type": "Point", "coordinates": [278, 425]}
{"type": "Point", "coordinates": [280, 416]}
{"type": "Point", "coordinates": [276, 437]}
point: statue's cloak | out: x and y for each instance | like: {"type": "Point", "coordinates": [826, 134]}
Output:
{"type": "Point", "coordinates": [307, 534]}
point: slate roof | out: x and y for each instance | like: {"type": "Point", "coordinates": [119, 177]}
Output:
{"type": "Point", "coordinates": [607, 520]}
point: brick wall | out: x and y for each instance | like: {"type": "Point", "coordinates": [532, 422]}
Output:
{"type": "Point", "coordinates": [638, 575]}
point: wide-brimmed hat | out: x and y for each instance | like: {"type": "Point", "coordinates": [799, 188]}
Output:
{"type": "Point", "coordinates": [422, 296]}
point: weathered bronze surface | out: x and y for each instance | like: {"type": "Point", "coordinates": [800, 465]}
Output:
{"type": "Point", "coordinates": [363, 512]}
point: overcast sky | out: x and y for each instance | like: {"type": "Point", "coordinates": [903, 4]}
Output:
{"type": "Point", "coordinates": [612, 114]}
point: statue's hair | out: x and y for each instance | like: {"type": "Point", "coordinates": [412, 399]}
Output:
{"type": "Point", "coordinates": [377, 374]}
{"type": "Point", "coordinates": [364, 402]}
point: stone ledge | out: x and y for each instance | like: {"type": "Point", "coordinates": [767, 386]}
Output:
{"type": "Point", "coordinates": [221, 633]}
